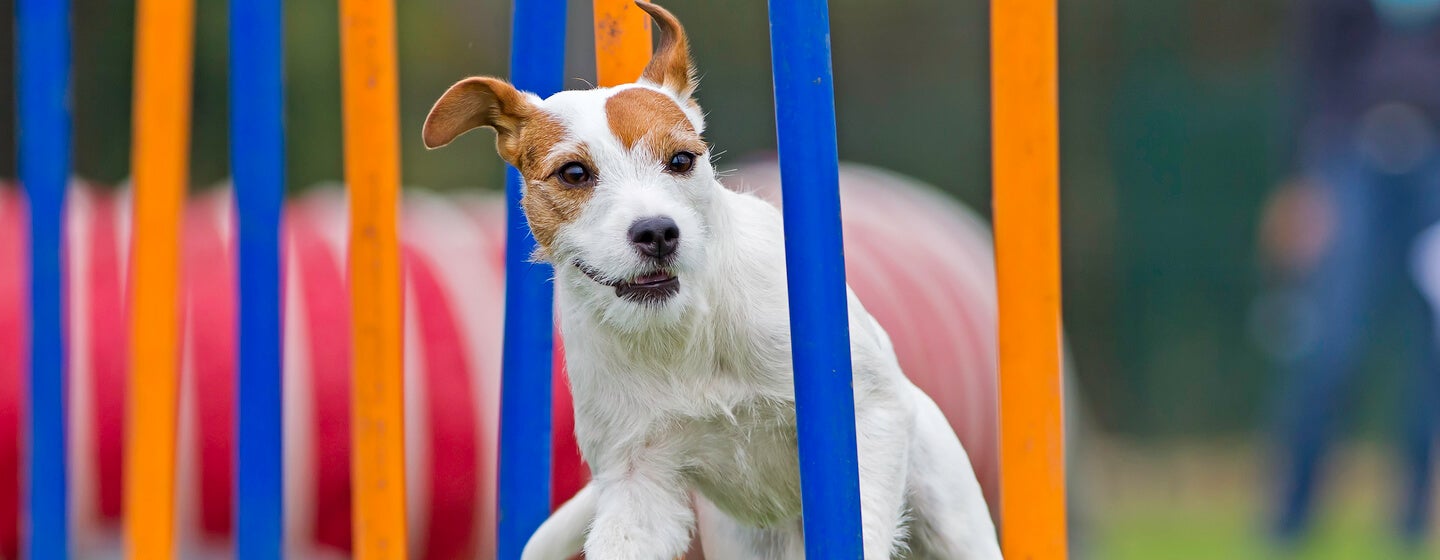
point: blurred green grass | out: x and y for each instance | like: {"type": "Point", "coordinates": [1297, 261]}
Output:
{"type": "Point", "coordinates": [1206, 501]}
{"type": "Point", "coordinates": [1217, 535]}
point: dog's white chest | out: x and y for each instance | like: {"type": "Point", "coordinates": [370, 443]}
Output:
{"type": "Point", "coordinates": [747, 464]}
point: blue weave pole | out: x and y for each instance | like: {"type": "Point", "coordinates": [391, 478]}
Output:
{"type": "Point", "coordinates": [44, 130]}
{"type": "Point", "coordinates": [257, 162]}
{"type": "Point", "coordinates": [537, 64]}
{"type": "Point", "coordinates": [815, 262]}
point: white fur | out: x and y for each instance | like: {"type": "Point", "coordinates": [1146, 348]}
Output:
{"type": "Point", "coordinates": [685, 409]}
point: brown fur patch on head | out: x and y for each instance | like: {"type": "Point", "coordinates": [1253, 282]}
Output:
{"type": "Point", "coordinates": [537, 143]}
{"type": "Point", "coordinates": [549, 204]}
{"type": "Point", "coordinates": [653, 120]}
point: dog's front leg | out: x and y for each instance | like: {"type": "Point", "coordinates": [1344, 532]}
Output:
{"type": "Point", "coordinates": [563, 534]}
{"type": "Point", "coordinates": [883, 446]}
{"type": "Point", "coordinates": [642, 512]}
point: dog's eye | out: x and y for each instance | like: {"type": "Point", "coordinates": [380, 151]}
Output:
{"type": "Point", "coordinates": [574, 174]}
{"type": "Point", "coordinates": [681, 162]}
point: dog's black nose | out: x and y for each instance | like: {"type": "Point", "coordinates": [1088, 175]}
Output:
{"type": "Point", "coordinates": [656, 236]}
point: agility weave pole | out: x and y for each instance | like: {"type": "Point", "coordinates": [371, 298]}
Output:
{"type": "Point", "coordinates": [257, 148]}
{"type": "Point", "coordinates": [1025, 129]}
{"type": "Point", "coordinates": [160, 166]}
{"type": "Point", "coordinates": [44, 131]}
{"type": "Point", "coordinates": [815, 270]}
{"type": "Point", "coordinates": [537, 64]}
{"type": "Point", "coordinates": [372, 173]}
{"type": "Point", "coordinates": [622, 42]}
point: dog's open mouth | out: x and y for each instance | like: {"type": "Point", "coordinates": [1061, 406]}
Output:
{"type": "Point", "coordinates": [655, 286]}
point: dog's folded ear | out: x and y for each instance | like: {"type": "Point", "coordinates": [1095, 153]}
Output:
{"type": "Point", "coordinates": [670, 66]}
{"type": "Point", "coordinates": [475, 102]}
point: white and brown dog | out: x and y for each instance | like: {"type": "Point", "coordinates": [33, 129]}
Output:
{"type": "Point", "coordinates": [672, 300]}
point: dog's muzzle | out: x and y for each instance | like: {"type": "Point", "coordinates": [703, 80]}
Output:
{"type": "Point", "coordinates": [652, 287]}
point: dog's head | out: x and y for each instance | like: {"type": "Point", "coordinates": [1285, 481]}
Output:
{"type": "Point", "coordinates": [617, 181]}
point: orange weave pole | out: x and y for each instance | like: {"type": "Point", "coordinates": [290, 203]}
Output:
{"type": "Point", "coordinates": [372, 171]}
{"type": "Point", "coordinates": [622, 42]}
{"type": "Point", "coordinates": [160, 166]}
{"type": "Point", "coordinates": [1025, 128]}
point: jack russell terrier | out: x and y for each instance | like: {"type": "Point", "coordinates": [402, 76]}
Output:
{"type": "Point", "coordinates": [672, 300]}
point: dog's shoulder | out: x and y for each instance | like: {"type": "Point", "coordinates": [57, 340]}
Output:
{"type": "Point", "coordinates": [750, 213]}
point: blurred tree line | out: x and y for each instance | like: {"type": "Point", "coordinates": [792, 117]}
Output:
{"type": "Point", "coordinates": [1171, 115]}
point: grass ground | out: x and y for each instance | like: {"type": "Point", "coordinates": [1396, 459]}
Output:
{"type": "Point", "coordinates": [1190, 535]}
{"type": "Point", "coordinates": [1206, 502]}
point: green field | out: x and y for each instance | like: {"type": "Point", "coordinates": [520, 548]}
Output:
{"type": "Point", "coordinates": [1205, 502]}
{"type": "Point", "coordinates": [1215, 535]}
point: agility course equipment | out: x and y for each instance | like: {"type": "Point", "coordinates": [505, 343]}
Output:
{"type": "Point", "coordinates": [372, 170]}
{"type": "Point", "coordinates": [815, 272]}
{"type": "Point", "coordinates": [537, 64]}
{"type": "Point", "coordinates": [1025, 161]}
{"type": "Point", "coordinates": [44, 138]}
{"type": "Point", "coordinates": [258, 163]}
{"type": "Point", "coordinates": [1025, 145]}
{"type": "Point", "coordinates": [160, 164]}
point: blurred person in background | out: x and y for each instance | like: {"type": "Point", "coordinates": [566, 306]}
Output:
{"type": "Point", "coordinates": [1339, 236]}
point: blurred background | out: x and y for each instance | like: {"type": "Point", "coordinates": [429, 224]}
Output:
{"type": "Point", "coordinates": [1181, 119]}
